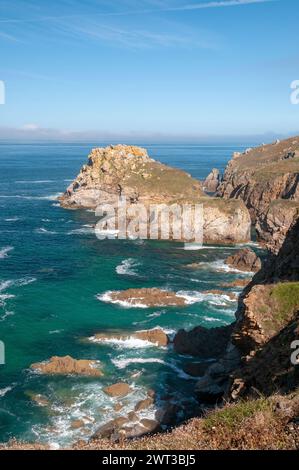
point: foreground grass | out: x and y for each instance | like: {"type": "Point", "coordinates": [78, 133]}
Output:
{"type": "Point", "coordinates": [253, 424]}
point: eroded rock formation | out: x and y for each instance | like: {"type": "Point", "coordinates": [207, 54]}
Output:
{"type": "Point", "coordinates": [129, 172]}
{"type": "Point", "coordinates": [266, 179]}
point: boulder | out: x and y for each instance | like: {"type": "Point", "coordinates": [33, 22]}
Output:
{"type": "Point", "coordinates": [68, 366]}
{"type": "Point", "coordinates": [206, 343]}
{"type": "Point", "coordinates": [110, 429]}
{"type": "Point", "coordinates": [245, 260]}
{"type": "Point", "coordinates": [144, 404]}
{"type": "Point", "coordinates": [120, 389]}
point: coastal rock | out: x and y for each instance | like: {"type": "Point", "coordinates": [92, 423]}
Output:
{"type": "Point", "coordinates": [144, 404]}
{"type": "Point", "coordinates": [155, 336]}
{"type": "Point", "coordinates": [120, 389]}
{"type": "Point", "coordinates": [206, 343]}
{"type": "Point", "coordinates": [148, 297]}
{"type": "Point", "coordinates": [68, 366]}
{"type": "Point", "coordinates": [245, 260]}
{"type": "Point", "coordinates": [212, 181]}
{"type": "Point", "coordinates": [110, 429]}
{"type": "Point", "coordinates": [129, 172]}
{"type": "Point", "coordinates": [266, 179]}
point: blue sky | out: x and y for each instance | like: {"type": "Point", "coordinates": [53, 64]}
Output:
{"type": "Point", "coordinates": [148, 67]}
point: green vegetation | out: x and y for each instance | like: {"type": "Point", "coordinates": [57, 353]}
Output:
{"type": "Point", "coordinates": [232, 416]}
{"type": "Point", "coordinates": [286, 296]}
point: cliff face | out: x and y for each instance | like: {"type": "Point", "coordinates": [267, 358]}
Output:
{"type": "Point", "coordinates": [266, 179]}
{"type": "Point", "coordinates": [129, 172]}
{"type": "Point", "coordinates": [257, 360]}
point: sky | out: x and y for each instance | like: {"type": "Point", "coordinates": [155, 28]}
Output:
{"type": "Point", "coordinates": [148, 69]}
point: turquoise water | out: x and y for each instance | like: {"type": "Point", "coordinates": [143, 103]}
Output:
{"type": "Point", "coordinates": [52, 268]}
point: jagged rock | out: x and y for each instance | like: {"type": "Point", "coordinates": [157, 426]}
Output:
{"type": "Point", "coordinates": [110, 429]}
{"type": "Point", "coordinates": [129, 172]}
{"type": "Point", "coordinates": [150, 424]}
{"type": "Point", "coordinates": [155, 336]}
{"type": "Point", "coordinates": [206, 343]}
{"type": "Point", "coordinates": [245, 260]}
{"type": "Point", "coordinates": [150, 297]}
{"type": "Point", "coordinates": [68, 366]}
{"type": "Point", "coordinates": [212, 181]}
{"type": "Point", "coordinates": [120, 389]}
{"type": "Point", "coordinates": [265, 179]}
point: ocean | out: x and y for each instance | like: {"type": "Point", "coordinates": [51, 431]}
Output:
{"type": "Point", "coordinates": [53, 274]}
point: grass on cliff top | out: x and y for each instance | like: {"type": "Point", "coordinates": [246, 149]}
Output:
{"type": "Point", "coordinates": [286, 296]}
{"type": "Point", "coordinates": [231, 417]}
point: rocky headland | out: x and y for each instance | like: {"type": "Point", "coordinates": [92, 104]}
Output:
{"type": "Point", "coordinates": [266, 179]}
{"type": "Point", "coordinates": [128, 171]}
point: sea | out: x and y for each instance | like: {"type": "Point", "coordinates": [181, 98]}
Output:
{"type": "Point", "coordinates": [54, 274]}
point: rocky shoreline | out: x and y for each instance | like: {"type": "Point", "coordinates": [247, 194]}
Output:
{"type": "Point", "coordinates": [243, 368]}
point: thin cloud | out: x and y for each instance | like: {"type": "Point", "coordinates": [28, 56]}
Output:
{"type": "Point", "coordinates": [195, 6]}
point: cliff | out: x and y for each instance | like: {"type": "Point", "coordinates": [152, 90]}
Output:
{"type": "Point", "coordinates": [129, 172]}
{"type": "Point", "coordinates": [266, 179]}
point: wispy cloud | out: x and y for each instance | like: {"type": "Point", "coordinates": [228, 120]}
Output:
{"type": "Point", "coordinates": [159, 8]}
{"type": "Point", "coordinates": [8, 37]}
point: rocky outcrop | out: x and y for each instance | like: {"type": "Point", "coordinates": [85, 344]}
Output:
{"type": "Point", "coordinates": [257, 356]}
{"type": "Point", "coordinates": [129, 172]}
{"type": "Point", "coordinates": [205, 343]}
{"type": "Point", "coordinates": [212, 181]}
{"type": "Point", "coordinates": [155, 336]}
{"type": "Point", "coordinates": [245, 260]}
{"type": "Point", "coordinates": [266, 179]}
{"type": "Point", "coordinates": [68, 366]}
{"type": "Point", "coordinates": [146, 297]}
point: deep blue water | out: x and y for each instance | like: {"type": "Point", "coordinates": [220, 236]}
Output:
{"type": "Point", "coordinates": [52, 267]}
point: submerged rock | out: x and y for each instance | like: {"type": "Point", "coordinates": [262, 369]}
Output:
{"type": "Point", "coordinates": [245, 260]}
{"type": "Point", "coordinates": [68, 366]}
{"type": "Point", "coordinates": [155, 336]}
{"type": "Point", "coordinates": [120, 389]}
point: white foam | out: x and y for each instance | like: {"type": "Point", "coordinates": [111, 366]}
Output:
{"type": "Point", "coordinates": [34, 181]}
{"type": "Point", "coordinates": [193, 297]}
{"type": "Point", "coordinates": [127, 343]}
{"type": "Point", "coordinates": [192, 246]}
{"type": "Point", "coordinates": [12, 219]}
{"type": "Point", "coordinates": [106, 297]}
{"type": "Point", "coordinates": [4, 251]}
{"type": "Point", "coordinates": [44, 230]}
{"type": "Point", "coordinates": [127, 267]}
{"type": "Point", "coordinates": [81, 231]}
{"type": "Point", "coordinates": [221, 266]}
{"type": "Point", "coordinates": [50, 197]}
{"type": "Point", "coordinates": [4, 391]}
{"type": "Point", "coordinates": [123, 363]}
